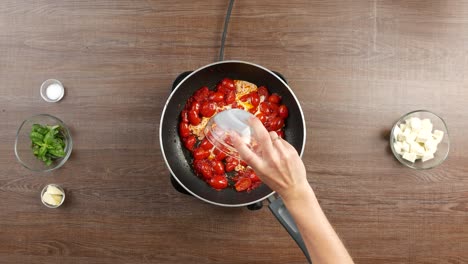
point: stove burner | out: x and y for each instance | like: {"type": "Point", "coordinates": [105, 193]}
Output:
{"type": "Point", "coordinates": [175, 184]}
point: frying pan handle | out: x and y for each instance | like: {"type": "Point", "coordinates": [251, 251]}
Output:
{"type": "Point", "coordinates": [282, 214]}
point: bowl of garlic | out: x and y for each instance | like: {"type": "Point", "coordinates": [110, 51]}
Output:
{"type": "Point", "coordinates": [420, 140]}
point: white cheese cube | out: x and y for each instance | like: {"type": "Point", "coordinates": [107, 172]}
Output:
{"type": "Point", "coordinates": [396, 132]}
{"type": "Point", "coordinates": [430, 146]}
{"type": "Point", "coordinates": [426, 125]}
{"type": "Point", "coordinates": [411, 157]}
{"type": "Point", "coordinates": [415, 123]}
{"type": "Point", "coordinates": [411, 137]}
{"type": "Point", "coordinates": [397, 146]}
{"type": "Point", "coordinates": [427, 156]}
{"type": "Point", "coordinates": [423, 136]}
{"type": "Point", "coordinates": [438, 135]}
{"type": "Point", "coordinates": [405, 147]}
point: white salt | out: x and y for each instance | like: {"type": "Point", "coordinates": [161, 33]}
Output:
{"type": "Point", "coordinates": [54, 91]}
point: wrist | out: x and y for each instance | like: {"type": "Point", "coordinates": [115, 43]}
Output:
{"type": "Point", "coordinates": [299, 193]}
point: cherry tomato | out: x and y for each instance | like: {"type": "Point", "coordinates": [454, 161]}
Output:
{"type": "Point", "coordinates": [252, 175]}
{"type": "Point", "coordinates": [208, 109]}
{"type": "Point", "coordinates": [254, 99]}
{"type": "Point", "coordinates": [243, 184]}
{"type": "Point", "coordinates": [200, 153]}
{"type": "Point", "coordinates": [193, 117]}
{"type": "Point", "coordinates": [218, 167]}
{"type": "Point", "coordinates": [230, 166]}
{"type": "Point", "coordinates": [230, 97]}
{"type": "Point", "coordinates": [189, 142]}
{"type": "Point", "coordinates": [184, 130]}
{"type": "Point", "coordinates": [228, 83]}
{"type": "Point", "coordinates": [243, 163]}
{"type": "Point", "coordinates": [202, 168]}
{"type": "Point", "coordinates": [274, 98]}
{"type": "Point", "coordinates": [219, 155]}
{"type": "Point", "coordinates": [184, 116]}
{"type": "Point", "coordinates": [245, 98]}
{"type": "Point", "coordinates": [219, 182]}
{"type": "Point", "coordinates": [263, 92]}
{"type": "Point", "coordinates": [276, 123]}
{"type": "Point", "coordinates": [206, 145]}
{"type": "Point", "coordinates": [201, 94]}
{"type": "Point", "coordinates": [195, 107]}
{"type": "Point", "coordinates": [220, 88]}
{"type": "Point", "coordinates": [261, 117]}
{"type": "Point", "coordinates": [273, 108]}
{"type": "Point", "coordinates": [264, 107]}
{"type": "Point", "coordinates": [216, 97]}
{"type": "Point", "coordinates": [283, 111]}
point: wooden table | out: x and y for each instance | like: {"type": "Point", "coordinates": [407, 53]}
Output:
{"type": "Point", "coordinates": [356, 67]}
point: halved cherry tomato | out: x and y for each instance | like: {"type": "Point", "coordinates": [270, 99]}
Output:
{"type": "Point", "coordinates": [208, 109]}
{"type": "Point", "coordinates": [283, 111]}
{"type": "Point", "coordinates": [195, 107]}
{"type": "Point", "coordinates": [261, 117]}
{"type": "Point", "coordinates": [218, 166]}
{"type": "Point", "coordinates": [189, 142]}
{"type": "Point", "coordinates": [202, 168]}
{"type": "Point", "coordinates": [245, 98]}
{"type": "Point", "coordinates": [218, 182]}
{"type": "Point", "coordinates": [228, 83]}
{"type": "Point", "coordinates": [276, 123]}
{"type": "Point", "coordinates": [201, 94]}
{"type": "Point", "coordinates": [249, 173]}
{"type": "Point", "coordinates": [219, 155]}
{"type": "Point", "coordinates": [274, 98]}
{"type": "Point", "coordinates": [230, 97]}
{"type": "Point", "coordinates": [230, 166]}
{"type": "Point", "coordinates": [200, 153]}
{"type": "Point", "coordinates": [184, 130]}
{"type": "Point", "coordinates": [254, 99]}
{"type": "Point", "coordinates": [217, 97]}
{"type": "Point", "coordinates": [184, 116]}
{"type": "Point", "coordinates": [263, 91]}
{"type": "Point", "coordinates": [206, 145]}
{"type": "Point", "coordinates": [193, 117]}
{"type": "Point", "coordinates": [243, 184]}
{"type": "Point", "coordinates": [264, 107]}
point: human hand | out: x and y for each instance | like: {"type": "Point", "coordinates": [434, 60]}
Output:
{"type": "Point", "coordinates": [275, 161]}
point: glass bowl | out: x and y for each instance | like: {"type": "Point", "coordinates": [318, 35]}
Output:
{"type": "Point", "coordinates": [219, 129]}
{"type": "Point", "coordinates": [442, 148]}
{"type": "Point", "coordinates": [23, 143]}
{"type": "Point", "coordinates": [49, 205]}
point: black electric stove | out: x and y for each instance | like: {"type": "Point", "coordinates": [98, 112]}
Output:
{"type": "Point", "coordinates": [174, 183]}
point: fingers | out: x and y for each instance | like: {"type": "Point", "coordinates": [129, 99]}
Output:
{"type": "Point", "coordinates": [261, 134]}
{"type": "Point", "coordinates": [246, 154]}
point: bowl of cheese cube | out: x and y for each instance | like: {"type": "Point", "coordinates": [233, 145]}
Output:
{"type": "Point", "coordinates": [420, 140]}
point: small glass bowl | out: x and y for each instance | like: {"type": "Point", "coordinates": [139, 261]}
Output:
{"type": "Point", "coordinates": [24, 152]}
{"type": "Point", "coordinates": [442, 148]}
{"type": "Point", "coordinates": [46, 84]}
{"type": "Point", "coordinates": [49, 205]}
{"type": "Point", "coordinates": [219, 129]}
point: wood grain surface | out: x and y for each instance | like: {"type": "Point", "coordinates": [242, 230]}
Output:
{"type": "Point", "coordinates": [356, 67]}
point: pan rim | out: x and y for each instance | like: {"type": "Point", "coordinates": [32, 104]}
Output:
{"type": "Point", "coordinates": [169, 99]}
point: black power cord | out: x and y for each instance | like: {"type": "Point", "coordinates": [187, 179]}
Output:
{"type": "Point", "coordinates": [226, 23]}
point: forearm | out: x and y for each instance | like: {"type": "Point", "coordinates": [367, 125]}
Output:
{"type": "Point", "coordinates": [321, 240]}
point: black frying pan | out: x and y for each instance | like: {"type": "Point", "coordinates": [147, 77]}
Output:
{"type": "Point", "coordinates": [178, 159]}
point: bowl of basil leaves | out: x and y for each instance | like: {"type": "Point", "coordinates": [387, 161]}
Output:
{"type": "Point", "coordinates": [43, 143]}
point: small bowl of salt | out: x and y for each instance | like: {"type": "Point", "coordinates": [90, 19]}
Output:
{"type": "Point", "coordinates": [52, 90]}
